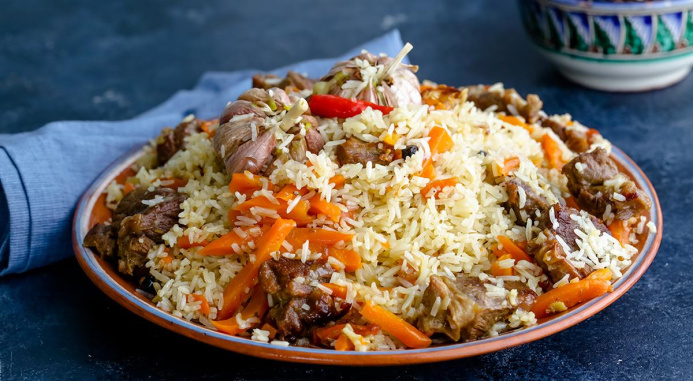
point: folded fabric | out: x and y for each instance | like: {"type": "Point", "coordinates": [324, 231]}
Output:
{"type": "Point", "coordinates": [43, 173]}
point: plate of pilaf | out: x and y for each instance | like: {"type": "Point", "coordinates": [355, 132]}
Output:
{"type": "Point", "coordinates": [370, 218]}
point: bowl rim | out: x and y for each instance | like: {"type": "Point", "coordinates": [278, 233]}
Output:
{"type": "Point", "coordinates": [92, 265]}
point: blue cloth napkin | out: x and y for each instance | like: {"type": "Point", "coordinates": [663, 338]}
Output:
{"type": "Point", "coordinates": [43, 173]}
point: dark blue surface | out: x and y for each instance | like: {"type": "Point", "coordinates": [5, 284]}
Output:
{"type": "Point", "coordinates": [102, 60]}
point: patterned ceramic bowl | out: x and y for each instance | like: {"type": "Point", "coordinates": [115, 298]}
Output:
{"type": "Point", "coordinates": [614, 46]}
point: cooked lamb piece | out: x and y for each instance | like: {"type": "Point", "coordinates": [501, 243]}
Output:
{"type": "Point", "coordinates": [508, 101]}
{"type": "Point", "coordinates": [298, 305]}
{"type": "Point", "coordinates": [268, 81]}
{"type": "Point", "coordinates": [397, 89]}
{"type": "Point", "coordinates": [101, 239]}
{"type": "Point", "coordinates": [355, 151]}
{"type": "Point", "coordinates": [471, 312]}
{"type": "Point", "coordinates": [586, 176]}
{"type": "Point", "coordinates": [550, 254]}
{"type": "Point", "coordinates": [173, 140]}
{"type": "Point", "coordinates": [446, 96]}
{"type": "Point", "coordinates": [136, 227]}
{"type": "Point", "coordinates": [533, 201]}
{"type": "Point", "coordinates": [525, 295]}
{"type": "Point", "coordinates": [577, 140]}
{"type": "Point", "coordinates": [314, 141]}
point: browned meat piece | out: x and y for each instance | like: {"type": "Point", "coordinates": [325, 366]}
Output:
{"type": "Point", "coordinates": [533, 201]}
{"type": "Point", "coordinates": [173, 140]}
{"type": "Point", "coordinates": [553, 259]}
{"type": "Point", "coordinates": [299, 306]}
{"type": "Point", "coordinates": [314, 141]}
{"type": "Point", "coordinates": [525, 295]}
{"type": "Point", "coordinates": [355, 151]}
{"type": "Point", "coordinates": [471, 312]}
{"type": "Point", "coordinates": [100, 239]}
{"type": "Point", "coordinates": [268, 81]}
{"type": "Point", "coordinates": [139, 227]}
{"type": "Point", "coordinates": [577, 140]}
{"type": "Point", "coordinates": [443, 96]}
{"type": "Point", "coordinates": [587, 185]}
{"type": "Point", "coordinates": [397, 89]}
{"type": "Point", "coordinates": [508, 101]}
{"type": "Point", "coordinates": [549, 254]}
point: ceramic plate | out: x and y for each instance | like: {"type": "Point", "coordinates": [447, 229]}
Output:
{"type": "Point", "coordinates": [123, 292]}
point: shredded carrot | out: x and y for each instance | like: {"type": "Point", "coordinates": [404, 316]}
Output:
{"type": "Point", "coordinates": [320, 206]}
{"type": "Point", "coordinates": [206, 127]}
{"type": "Point", "coordinates": [515, 121]}
{"type": "Point", "coordinates": [299, 213]}
{"type": "Point", "coordinates": [123, 176]}
{"type": "Point", "coordinates": [338, 181]}
{"type": "Point", "coordinates": [343, 343]}
{"type": "Point", "coordinates": [570, 202]}
{"type": "Point", "coordinates": [319, 239]}
{"type": "Point", "coordinates": [496, 270]}
{"type": "Point", "coordinates": [337, 290]}
{"type": "Point", "coordinates": [620, 231]}
{"type": "Point", "coordinates": [395, 326]}
{"type": "Point", "coordinates": [511, 248]}
{"type": "Point", "coordinates": [256, 308]}
{"type": "Point", "coordinates": [100, 213]}
{"type": "Point", "coordinates": [290, 192]}
{"type": "Point", "coordinates": [564, 297]}
{"type": "Point", "coordinates": [224, 244]}
{"type": "Point", "coordinates": [168, 258]}
{"type": "Point", "coordinates": [128, 187]}
{"type": "Point", "coordinates": [270, 328]}
{"type": "Point", "coordinates": [204, 306]}
{"type": "Point", "coordinates": [439, 142]}
{"type": "Point", "coordinates": [552, 152]}
{"type": "Point", "coordinates": [602, 274]}
{"type": "Point", "coordinates": [245, 182]}
{"type": "Point", "coordinates": [438, 185]}
{"type": "Point", "coordinates": [333, 332]}
{"type": "Point", "coordinates": [184, 243]}
{"type": "Point", "coordinates": [349, 258]}
{"type": "Point", "coordinates": [173, 182]}
{"type": "Point", "coordinates": [510, 165]}
{"type": "Point", "coordinates": [244, 280]}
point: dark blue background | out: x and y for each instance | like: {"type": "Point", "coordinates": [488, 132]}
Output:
{"type": "Point", "coordinates": [112, 60]}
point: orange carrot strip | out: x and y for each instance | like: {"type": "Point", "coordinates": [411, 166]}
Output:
{"type": "Point", "coordinates": [245, 182]}
{"type": "Point", "coordinates": [439, 142]}
{"type": "Point", "coordinates": [206, 127]}
{"type": "Point", "coordinates": [122, 176]}
{"type": "Point", "coordinates": [552, 152]}
{"type": "Point", "coordinates": [602, 274]}
{"type": "Point", "coordinates": [620, 231]}
{"type": "Point", "coordinates": [510, 164]}
{"type": "Point", "coordinates": [569, 295]}
{"type": "Point", "coordinates": [516, 122]}
{"type": "Point", "coordinates": [270, 328]}
{"type": "Point", "coordinates": [320, 206]}
{"type": "Point", "coordinates": [438, 185]}
{"type": "Point", "coordinates": [204, 306]}
{"type": "Point", "coordinates": [395, 326]}
{"type": "Point", "coordinates": [338, 181]}
{"type": "Point", "coordinates": [350, 258]}
{"type": "Point", "coordinates": [570, 201]}
{"type": "Point", "coordinates": [337, 290]}
{"type": "Point", "coordinates": [184, 243]}
{"type": "Point", "coordinates": [496, 270]}
{"type": "Point", "coordinates": [224, 244]}
{"type": "Point", "coordinates": [289, 192]}
{"type": "Point", "coordinates": [167, 259]}
{"type": "Point", "coordinates": [100, 213]}
{"type": "Point", "coordinates": [319, 239]}
{"type": "Point", "coordinates": [244, 280]}
{"type": "Point", "coordinates": [256, 307]}
{"type": "Point", "coordinates": [128, 187]}
{"type": "Point", "coordinates": [511, 248]}
{"type": "Point", "coordinates": [299, 213]}
{"type": "Point", "coordinates": [343, 343]}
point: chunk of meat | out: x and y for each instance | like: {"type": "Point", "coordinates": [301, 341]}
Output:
{"type": "Point", "coordinates": [525, 295]}
{"type": "Point", "coordinates": [173, 140]}
{"type": "Point", "coordinates": [576, 139]}
{"type": "Point", "coordinates": [443, 96]}
{"type": "Point", "coordinates": [471, 313]}
{"type": "Point", "coordinates": [587, 174]}
{"type": "Point", "coordinates": [314, 140]}
{"type": "Point", "coordinates": [100, 238]}
{"type": "Point", "coordinates": [550, 254]}
{"type": "Point", "coordinates": [355, 151]}
{"type": "Point", "coordinates": [533, 202]}
{"type": "Point", "coordinates": [397, 89]}
{"type": "Point", "coordinates": [299, 306]}
{"type": "Point", "coordinates": [505, 100]}
{"type": "Point", "coordinates": [293, 79]}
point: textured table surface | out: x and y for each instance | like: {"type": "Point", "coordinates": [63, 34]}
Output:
{"type": "Point", "coordinates": [83, 59]}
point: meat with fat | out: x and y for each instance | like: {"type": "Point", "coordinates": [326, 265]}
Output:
{"type": "Point", "coordinates": [356, 151]}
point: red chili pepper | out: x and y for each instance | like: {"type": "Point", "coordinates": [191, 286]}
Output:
{"type": "Point", "coordinates": [332, 106]}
